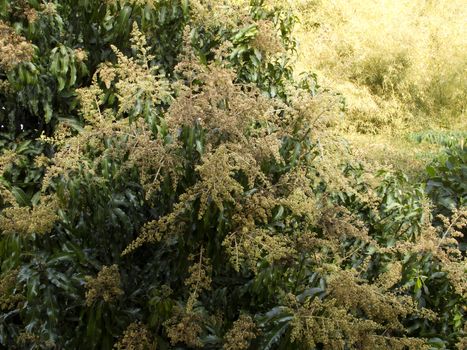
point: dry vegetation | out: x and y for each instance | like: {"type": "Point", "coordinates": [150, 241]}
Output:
{"type": "Point", "coordinates": [401, 66]}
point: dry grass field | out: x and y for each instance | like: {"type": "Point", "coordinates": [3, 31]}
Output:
{"type": "Point", "coordinates": [401, 67]}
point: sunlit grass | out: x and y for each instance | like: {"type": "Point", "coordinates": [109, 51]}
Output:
{"type": "Point", "coordinates": [392, 152]}
{"type": "Point", "coordinates": [401, 65]}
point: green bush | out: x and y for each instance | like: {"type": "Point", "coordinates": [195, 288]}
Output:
{"type": "Point", "coordinates": [447, 179]}
{"type": "Point", "coordinates": [443, 138]}
{"type": "Point", "coordinates": [166, 183]}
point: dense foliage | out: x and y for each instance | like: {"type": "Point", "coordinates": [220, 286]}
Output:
{"type": "Point", "coordinates": [166, 183]}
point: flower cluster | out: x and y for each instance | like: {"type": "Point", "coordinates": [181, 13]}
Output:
{"type": "Point", "coordinates": [40, 219]}
{"type": "Point", "coordinates": [9, 296]}
{"type": "Point", "coordinates": [239, 337]}
{"type": "Point", "coordinates": [185, 327]}
{"type": "Point", "coordinates": [105, 286]}
{"type": "Point", "coordinates": [267, 40]}
{"type": "Point", "coordinates": [15, 48]}
{"type": "Point", "coordinates": [135, 337]}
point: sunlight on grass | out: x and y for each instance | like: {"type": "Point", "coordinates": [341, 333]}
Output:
{"type": "Point", "coordinates": [400, 64]}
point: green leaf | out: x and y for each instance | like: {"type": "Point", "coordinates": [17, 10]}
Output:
{"type": "Point", "coordinates": [199, 147]}
{"type": "Point", "coordinates": [431, 171]}
{"type": "Point", "coordinates": [279, 213]}
{"type": "Point", "coordinates": [123, 19]}
{"type": "Point", "coordinates": [72, 80]}
{"type": "Point", "coordinates": [73, 123]}
{"type": "Point", "coordinates": [47, 112]}
{"type": "Point", "coordinates": [36, 198]}
{"type": "Point", "coordinates": [272, 337]}
{"type": "Point", "coordinates": [21, 197]}
{"type": "Point", "coordinates": [185, 7]}
{"type": "Point", "coordinates": [61, 83]}
{"type": "Point", "coordinates": [23, 147]}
